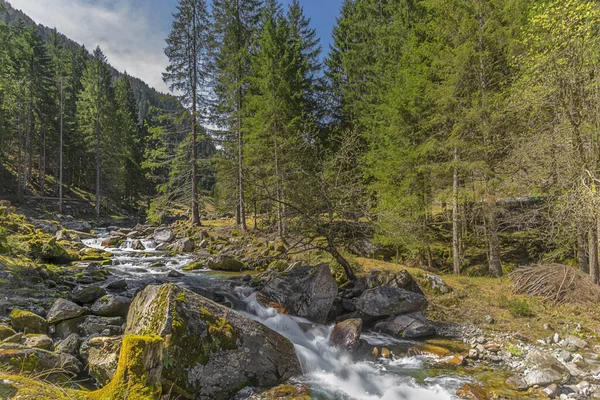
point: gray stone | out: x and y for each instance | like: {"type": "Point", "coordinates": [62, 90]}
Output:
{"type": "Point", "coordinates": [574, 343]}
{"type": "Point", "coordinates": [103, 358]}
{"type": "Point", "coordinates": [435, 284]}
{"type": "Point", "coordinates": [408, 326]}
{"type": "Point", "coordinates": [87, 294]}
{"type": "Point", "coordinates": [551, 391]}
{"type": "Point", "coordinates": [62, 310]}
{"type": "Point", "coordinates": [175, 274]}
{"type": "Point", "coordinates": [39, 342]}
{"type": "Point", "coordinates": [119, 284]}
{"type": "Point", "coordinates": [544, 369]}
{"type": "Point", "coordinates": [96, 325]}
{"type": "Point", "coordinates": [307, 292]}
{"type": "Point", "coordinates": [70, 345]}
{"type": "Point", "coordinates": [28, 322]}
{"type": "Point", "coordinates": [65, 328]}
{"type": "Point", "coordinates": [387, 301]}
{"type": "Point", "coordinates": [225, 263]}
{"type": "Point", "coordinates": [163, 235]}
{"type": "Point", "coordinates": [184, 245]}
{"type": "Point", "coordinates": [346, 334]}
{"type": "Point", "coordinates": [111, 306]}
{"type": "Point", "coordinates": [212, 351]}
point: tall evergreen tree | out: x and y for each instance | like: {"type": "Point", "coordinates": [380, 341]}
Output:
{"type": "Point", "coordinates": [234, 27]}
{"type": "Point", "coordinates": [95, 112]}
{"type": "Point", "coordinates": [187, 74]}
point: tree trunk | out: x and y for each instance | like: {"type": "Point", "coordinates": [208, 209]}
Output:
{"type": "Point", "coordinates": [495, 262]}
{"type": "Point", "coordinates": [43, 163]}
{"type": "Point", "coordinates": [60, 152]}
{"type": "Point", "coordinates": [98, 167]}
{"type": "Point", "coordinates": [581, 250]}
{"type": "Point", "coordinates": [20, 166]}
{"type": "Point", "coordinates": [280, 228]}
{"type": "Point", "coordinates": [242, 203]}
{"type": "Point", "coordinates": [593, 255]}
{"type": "Point", "coordinates": [195, 210]}
{"type": "Point", "coordinates": [455, 219]}
{"type": "Point", "coordinates": [331, 249]}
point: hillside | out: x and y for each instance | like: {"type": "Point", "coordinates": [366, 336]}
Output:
{"type": "Point", "coordinates": [144, 94]}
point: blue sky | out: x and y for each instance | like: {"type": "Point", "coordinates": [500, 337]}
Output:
{"type": "Point", "coordinates": [132, 32]}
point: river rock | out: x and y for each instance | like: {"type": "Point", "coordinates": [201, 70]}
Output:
{"type": "Point", "coordinates": [6, 331]}
{"type": "Point", "coordinates": [184, 245]}
{"type": "Point", "coordinates": [402, 279]}
{"type": "Point", "coordinates": [87, 294]}
{"type": "Point", "coordinates": [103, 358]}
{"type": "Point", "coordinates": [573, 343]}
{"type": "Point", "coordinates": [38, 342]}
{"type": "Point", "coordinates": [62, 310]}
{"type": "Point", "coordinates": [435, 284]}
{"type": "Point", "coordinates": [119, 284]}
{"type": "Point", "coordinates": [81, 226]}
{"type": "Point", "coordinates": [111, 306]}
{"type": "Point", "coordinates": [307, 292]}
{"type": "Point", "coordinates": [175, 274]}
{"type": "Point", "coordinates": [515, 382]}
{"type": "Point", "coordinates": [111, 241]}
{"type": "Point", "coordinates": [65, 328]}
{"type": "Point", "coordinates": [211, 351]}
{"type": "Point", "coordinates": [544, 369]}
{"type": "Point", "coordinates": [31, 360]}
{"type": "Point", "coordinates": [387, 301]}
{"type": "Point", "coordinates": [28, 322]}
{"type": "Point", "coordinates": [96, 325]}
{"type": "Point", "coordinates": [70, 345]}
{"type": "Point", "coordinates": [163, 235]}
{"type": "Point", "coordinates": [137, 245]}
{"type": "Point", "coordinates": [225, 263]}
{"type": "Point", "coordinates": [346, 334]}
{"type": "Point", "coordinates": [408, 326]}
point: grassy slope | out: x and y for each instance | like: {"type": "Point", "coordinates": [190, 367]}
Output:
{"type": "Point", "coordinates": [474, 298]}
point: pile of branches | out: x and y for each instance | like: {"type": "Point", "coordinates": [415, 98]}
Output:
{"type": "Point", "coordinates": [556, 283]}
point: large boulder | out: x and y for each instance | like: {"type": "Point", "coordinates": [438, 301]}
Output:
{"type": "Point", "coordinates": [408, 326]}
{"type": "Point", "coordinates": [163, 235]}
{"type": "Point", "coordinates": [62, 310]}
{"type": "Point", "coordinates": [346, 334]}
{"type": "Point", "coordinates": [386, 301]}
{"type": "Point", "coordinates": [225, 263]}
{"type": "Point", "coordinates": [544, 369]}
{"type": "Point", "coordinates": [402, 279]}
{"type": "Point", "coordinates": [111, 306]}
{"type": "Point", "coordinates": [28, 322]}
{"type": "Point", "coordinates": [20, 359]}
{"type": "Point", "coordinates": [210, 350]}
{"type": "Point", "coordinates": [93, 324]}
{"type": "Point", "coordinates": [307, 292]}
{"type": "Point", "coordinates": [80, 226]}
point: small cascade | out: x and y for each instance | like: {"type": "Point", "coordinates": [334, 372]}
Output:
{"type": "Point", "coordinates": [332, 373]}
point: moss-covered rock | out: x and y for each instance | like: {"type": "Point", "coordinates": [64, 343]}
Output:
{"type": "Point", "coordinates": [210, 351]}
{"type": "Point", "coordinates": [20, 387]}
{"type": "Point", "coordinates": [28, 322]}
{"type": "Point", "coordinates": [6, 331]}
{"type": "Point", "coordinates": [194, 266]}
{"type": "Point", "coordinates": [139, 371]}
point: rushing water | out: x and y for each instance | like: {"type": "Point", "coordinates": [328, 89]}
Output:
{"type": "Point", "coordinates": [331, 372]}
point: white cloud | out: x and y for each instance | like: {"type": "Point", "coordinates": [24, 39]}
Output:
{"type": "Point", "coordinates": [125, 33]}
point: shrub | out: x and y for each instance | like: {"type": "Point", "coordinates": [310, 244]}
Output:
{"type": "Point", "coordinates": [517, 308]}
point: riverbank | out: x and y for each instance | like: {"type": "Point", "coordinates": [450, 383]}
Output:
{"type": "Point", "coordinates": [494, 338]}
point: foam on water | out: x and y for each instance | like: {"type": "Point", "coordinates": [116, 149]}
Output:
{"type": "Point", "coordinates": [332, 373]}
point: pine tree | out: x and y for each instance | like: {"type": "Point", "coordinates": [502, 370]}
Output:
{"type": "Point", "coordinates": [234, 27]}
{"type": "Point", "coordinates": [187, 50]}
{"type": "Point", "coordinates": [95, 112]}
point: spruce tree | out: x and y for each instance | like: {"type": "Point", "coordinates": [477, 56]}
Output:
{"type": "Point", "coordinates": [187, 74]}
{"type": "Point", "coordinates": [95, 114]}
{"type": "Point", "coordinates": [234, 27]}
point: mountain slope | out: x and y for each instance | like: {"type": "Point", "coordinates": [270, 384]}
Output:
{"type": "Point", "coordinates": [144, 94]}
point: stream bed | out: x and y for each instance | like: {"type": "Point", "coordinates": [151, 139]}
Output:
{"type": "Point", "coordinates": [330, 372]}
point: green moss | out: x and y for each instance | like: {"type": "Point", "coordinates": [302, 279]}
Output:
{"type": "Point", "coordinates": [134, 378]}
{"type": "Point", "coordinates": [194, 266]}
{"type": "Point", "coordinates": [5, 332]}
{"type": "Point", "coordinates": [28, 363]}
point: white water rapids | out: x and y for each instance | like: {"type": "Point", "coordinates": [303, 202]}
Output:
{"type": "Point", "coordinates": [330, 372]}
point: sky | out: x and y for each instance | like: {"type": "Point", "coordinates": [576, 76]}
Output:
{"type": "Point", "coordinates": [132, 32]}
